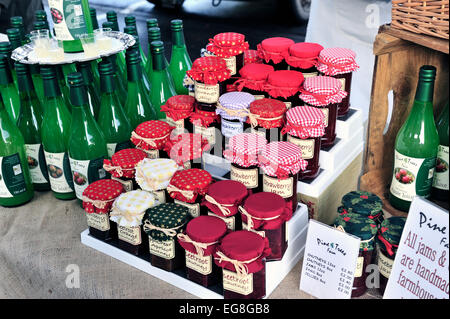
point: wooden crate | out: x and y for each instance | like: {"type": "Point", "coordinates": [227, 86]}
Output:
{"type": "Point", "coordinates": [398, 57]}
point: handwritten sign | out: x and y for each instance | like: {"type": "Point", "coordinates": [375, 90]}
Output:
{"type": "Point", "coordinates": [420, 269]}
{"type": "Point", "coordinates": [329, 263]}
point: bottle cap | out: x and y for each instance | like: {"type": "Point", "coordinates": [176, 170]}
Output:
{"type": "Point", "coordinates": [157, 47]}
{"type": "Point", "coordinates": [4, 63]}
{"type": "Point", "coordinates": [75, 79]}
{"type": "Point", "coordinates": [151, 23]}
{"type": "Point", "coordinates": [105, 68]}
{"type": "Point", "coordinates": [111, 16]}
{"type": "Point", "coordinates": [93, 12]}
{"type": "Point", "coordinates": [427, 73]}
{"type": "Point", "coordinates": [133, 57]}
{"type": "Point", "coordinates": [176, 25]}
{"type": "Point", "coordinates": [154, 34]}
{"type": "Point", "coordinates": [5, 47]}
{"type": "Point", "coordinates": [107, 24]}
{"type": "Point", "coordinates": [13, 34]}
{"type": "Point", "coordinates": [130, 21]}
{"type": "Point", "coordinates": [40, 15]}
{"type": "Point", "coordinates": [39, 25]}
{"type": "Point", "coordinates": [48, 72]}
{"type": "Point", "coordinates": [130, 29]}
{"type": "Point", "coordinates": [16, 21]}
{"type": "Point", "coordinates": [21, 69]}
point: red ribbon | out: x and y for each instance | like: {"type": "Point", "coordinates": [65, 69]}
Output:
{"type": "Point", "coordinates": [388, 245]}
{"type": "Point", "coordinates": [295, 61]}
{"type": "Point", "coordinates": [276, 57]}
{"type": "Point", "coordinates": [242, 47]}
{"type": "Point", "coordinates": [339, 67]}
{"type": "Point", "coordinates": [301, 131]}
{"type": "Point", "coordinates": [205, 120]}
{"type": "Point", "coordinates": [245, 158]}
{"type": "Point", "coordinates": [280, 172]}
{"type": "Point", "coordinates": [176, 115]}
{"type": "Point", "coordinates": [322, 98]}
{"type": "Point", "coordinates": [257, 85]}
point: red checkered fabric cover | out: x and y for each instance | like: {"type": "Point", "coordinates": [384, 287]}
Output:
{"type": "Point", "coordinates": [204, 118]}
{"type": "Point", "coordinates": [274, 49]}
{"type": "Point", "coordinates": [304, 55]}
{"type": "Point", "coordinates": [209, 70]}
{"type": "Point", "coordinates": [243, 149]}
{"type": "Point", "coordinates": [334, 61]}
{"type": "Point", "coordinates": [228, 44]}
{"type": "Point", "coordinates": [280, 159]}
{"type": "Point", "coordinates": [322, 91]}
{"type": "Point", "coordinates": [304, 122]}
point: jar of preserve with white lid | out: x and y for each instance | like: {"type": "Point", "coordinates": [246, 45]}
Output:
{"type": "Point", "coordinates": [187, 149]}
{"type": "Point", "coordinates": [151, 136]}
{"type": "Point", "coordinates": [253, 79]}
{"type": "Point", "coordinates": [178, 109]}
{"type": "Point", "coordinates": [274, 51]}
{"type": "Point", "coordinates": [206, 122]}
{"type": "Point", "coordinates": [285, 86]}
{"type": "Point", "coordinates": [303, 57]}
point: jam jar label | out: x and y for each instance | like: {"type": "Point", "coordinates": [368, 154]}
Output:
{"type": "Point", "coordinates": [307, 146]}
{"type": "Point", "coordinates": [325, 111]}
{"type": "Point", "coordinates": [98, 221]}
{"type": "Point", "coordinates": [194, 209]}
{"type": "Point", "coordinates": [240, 284]}
{"type": "Point", "coordinates": [187, 165]}
{"type": "Point", "coordinates": [258, 97]}
{"type": "Point", "coordinates": [310, 75]}
{"type": "Point", "coordinates": [231, 64]}
{"type": "Point", "coordinates": [36, 163]}
{"type": "Point", "coordinates": [248, 177]}
{"type": "Point", "coordinates": [160, 196]}
{"type": "Point", "coordinates": [127, 185]}
{"type": "Point", "coordinates": [259, 232]}
{"type": "Point", "coordinates": [131, 235]}
{"type": "Point", "coordinates": [230, 129]}
{"type": "Point", "coordinates": [230, 221]}
{"type": "Point", "coordinates": [359, 267]}
{"type": "Point", "coordinates": [179, 125]}
{"type": "Point", "coordinates": [440, 180]}
{"type": "Point", "coordinates": [164, 249]}
{"type": "Point", "coordinates": [201, 264]}
{"type": "Point", "coordinates": [12, 178]}
{"type": "Point", "coordinates": [342, 83]}
{"type": "Point", "coordinates": [282, 187]}
{"type": "Point", "coordinates": [207, 132]}
{"type": "Point", "coordinates": [385, 264]}
{"type": "Point", "coordinates": [208, 94]}
{"type": "Point", "coordinates": [152, 154]}
{"type": "Point", "coordinates": [58, 166]}
{"type": "Point", "coordinates": [288, 105]}
{"type": "Point", "coordinates": [85, 172]}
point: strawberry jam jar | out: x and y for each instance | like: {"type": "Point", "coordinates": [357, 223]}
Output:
{"type": "Point", "coordinates": [151, 136]}
{"type": "Point", "coordinates": [285, 86]}
{"type": "Point", "coordinates": [178, 109]}
{"type": "Point", "coordinates": [274, 51]}
{"type": "Point", "coordinates": [303, 57]}
{"type": "Point", "coordinates": [253, 79]}
{"type": "Point", "coordinates": [206, 122]}
{"type": "Point", "coordinates": [187, 149]}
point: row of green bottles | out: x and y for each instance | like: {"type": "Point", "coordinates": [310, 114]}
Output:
{"type": "Point", "coordinates": [440, 180]}
{"type": "Point", "coordinates": [8, 90]}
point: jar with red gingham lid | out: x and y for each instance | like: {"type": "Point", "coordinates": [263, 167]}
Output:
{"type": "Point", "coordinates": [285, 86]}
{"type": "Point", "coordinates": [251, 56]}
{"type": "Point", "coordinates": [207, 123]}
{"type": "Point", "coordinates": [122, 166]}
{"type": "Point", "coordinates": [339, 63]}
{"type": "Point", "coordinates": [304, 57]}
{"type": "Point", "coordinates": [98, 199]}
{"type": "Point", "coordinates": [281, 162]}
{"type": "Point", "coordinates": [178, 109]}
{"type": "Point", "coordinates": [266, 118]}
{"type": "Point", "coordinates": [325, 93]}
{"type": "Point", "coordinates": [188, 187]}
{"type": "Point", "coordinates": [151, 136]}
{"type": "Point", "coordinates": [305, 127]}
{"type": "Point", "coordinates": [274, 51]}
{"type": "Point", "coordinates": [253, 79]}
{"type": "Point", "coordinates": [242, 152]}
{"type": "Point", "coordinates": [187, 149]}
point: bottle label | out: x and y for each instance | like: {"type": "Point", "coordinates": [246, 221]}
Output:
{"type": "Point", "coordinates": [36, 163]}
{"type": "Point", "coordinates": [68, 19]}
{"type": "Point", "coordinates": [58, 166]}
{"type": "Point", "coordinates": [12, 178]}
{"type": "Point", "coordinates": [194, 209]}
{"type": "Point", "coordinates": [115, 147]}
{"type": "Point", "coordinates": [231, 64]}
{"type": "Point", "coordinates": [440, 180]}
{"type": "Point", "coordinates": [131, 235]}
{"type": "Point", "coordinates": [201, 264]}
{"type": "Point", "coordinates": [359, 267]}
{"type": "Point", "coordinates": [164, 249]}
{"type": "Point", "coordinates": [207, 132]}
{"type": "Point", "coordinates": [98, 221]}
{"type": "Point", "coordinates": [247, 176]}
{"type": "Point", "coordinates": [282, 187]}
{"type": "Point", "coordinates": [207, 93]}
{"type": "Point", "coordinates": [412, 176]}
{"type": "Point", "coordinates": [307, 146]}
{"type": "Point", "coordinates": [230, 221]}
{"type": "Point", "coordinates": [240, 284]}
{"type": "Point", "coordinates": [385, 264]}
{"type": "Point", "coordinates": [230, 129]}
{"type": "Point", "coordinates": [85, 172]}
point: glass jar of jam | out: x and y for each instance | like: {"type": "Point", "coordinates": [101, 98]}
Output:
{"type": "Point", "coordinates": [127, 212]}
{"type": "Point", "coordinates": [252, 56]}
{"type": "Point", "coordinates": [200, 240]}
{"type": "Point", "coordinates": [122, 166]}
{"type": "Point", "coordinates": [274, 51]}
{"type": "Point", "coordinates": [242, 152]}
{"type": "Point", "coordinates": [178, 109]}
{"type": "Point", "coordinates": [206, 122]}
{"type": "Point", "coordinates": [153, 176]}
{"type": "Point", "coordinates": [242, 257]}
{"type": "Point", "coordinates": [187, 149]}
{"type": "Point", "coordinates": [303, 57]}
{"type": "Point", "coordinates": [98, 198]}
{"type": "Point", "coordinates": [285, 86]}
{"type": "Point", "coordinates": [339, 63]}
{"type": "Point", "coordinates": [188, 187]}
{"type": "Point", "coordinates": [364, 203]}
{"type": "Point", "coordinates": [253, 79]}
{"type": "Point", "coordinates": [151, 136]}
{"type": "Point", "coordinates": [223, 199]}
{"type": "Point", "coordinates": [388, 239]}
{"type": "Point", "coordinates": [266, 215]}
{"type": "Point", "coordinates": [162, 223]}
{"type": "Point", "coordinates": [305, 127]}
{"type": "Point", "coordinates": [325, 93]}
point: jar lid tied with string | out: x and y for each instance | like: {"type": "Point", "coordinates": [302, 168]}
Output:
{"type": "Point", "coordinates": [99, 196]}
{"type": "Point", "coordinates": [151, 136]}
{"type": "Point", "coordinates": [187, 185]}
{"type": "Point", "coordinates": [275, 49]}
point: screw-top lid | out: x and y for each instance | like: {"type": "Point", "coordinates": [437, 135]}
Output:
{"type": "Point", "coordinates": [105, 68]}
{"type": "Point", "coordinates": [21, 69]}
{"type": "Point", "coordinates": [154, 34]}
{"type": "Point", "coordinates": [16, 21]}
{"type": "Point", "coordinates": [40, 15]}
{"type": "Point", "coordinates": [130, 21]}
{"type": "Point", "coordinates": [5, 47]}
{"type": "Point", "coordinates": [48, 72]}
{"type": "Point", "coordinates": [111, 16]}
{"type": "Point", "coordinates": [427, 73]}
{"type": "Point", "coordinates": [107, 24]}
{"type": "Point", "coordinates": [157, 47]}
{"type": "Point", "coordinates": [152, 22]}
{"type": "Point", "coordinates": [75, 79]}
{"type": "Point", "coordinates": [130, 29]}
{"type": "Point", "coordinates": [4, 63]}
{"type": "Point", "coordinates": [13, 34]}
{"type": "Point", "coordinates": [39, 25]}
{"type": "Point", "coordinates": [133, 57]}
{"type": "Point", "coordinates": [176, 25]}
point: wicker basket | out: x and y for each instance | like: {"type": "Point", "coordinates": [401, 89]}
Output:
{"type": "Point", "coordinates": [422, 16]}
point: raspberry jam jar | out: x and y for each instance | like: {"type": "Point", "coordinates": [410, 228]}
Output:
{"type": "Point", "coordinates": [200, 241]}
{"type": "Point", "coordinates": [127, 212]}
{"type": "Point", "coordinates": [339, 63]}
{"type": "Point", "coordinates": [122, 166]}
{"type": "Point", "coordinates": [187, 149]}
{"type": "Point", "coordinates": [178, 109]}
{"type": "Point", "coordinates": [364, 203]}
{"type": "Point", "coordinates": [154, 175]}
{"type": "Point", "coordinates": [223, 199]}
{"type": "Point", "coordinates": [324, 93]}
{"type": "Point", "coordinates": [285, 86]}
{"type": "Point", "coordinates": [206, 122]}
{"type": "Point", "coordinates": [242, 152]}
{"type": "Point", "coordinates": [305, 127]}
{"type": "Point", "coordinates": [162, 223]}
{"type": "Point", "coordinates": [98, 198]}
{"type": "Point", "coordinates": [266, 215]}
{"type": "Point", "coordinates": [253, 79]}
{"type": "Point", "coordinates": [274, 51]}
{"type": "Point", "coordinates": [242, 257]}
{"type": "Point", "coordinates": [303, 57]}
{"type": "Point", "coordinates": [251, 56]}
{"type": "Point", "coordinates": [188, 187]}
{"type": "Point", "coordinates": [151, 136]}
{"type": "Point", "coordinates": [281, 162]}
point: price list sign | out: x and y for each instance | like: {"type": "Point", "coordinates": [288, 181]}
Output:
{"type": "Point", "coordinates": [329, 262]}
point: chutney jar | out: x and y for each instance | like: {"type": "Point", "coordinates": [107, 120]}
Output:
{"type": "Point", "coordinates": [274, 51]}
{"type": "Point", "coordinates": [151, 136]}
{"type": "Point", "coordinates": [252, 56]}
{"type": "Point", "coordinates": [223, 199]}
{"type": "Point", "coordinates": [339, 63]}
{"type": "Point", "coordinates": [154, 175]}
{"type": "Point", "coordinates": [266, 214]}
{"type": "Point", "coordinates": [364, 203]}
{"type": "Point", "coordinates": [122, 166]}
{"type": "Point", "coordinates": [187, 149]}
{"type": "Point", "coordinates": [178, 109]}
{"type": "Point", "coordinates": [200, 241]}
{"type": "Point", "coordinates": [253, 78]}
{"type": "Point", "coordinates": [127, 212]}
{"type": "Point", "coordinates": [281, 162]}
{"type": "Point", "coordinates": [304, 57]}
{"type": "Point", "coordinates": [98, 199]}
{"type": "Point", "coordinates": [242, 257]}
{"type": "Point", "coordinates": [326, 94]}
{"type": "Point", "coordinates": [305, 127]}
{"type": "Point", "coordinates": [285, 86]}
{"type": "Point", "coordinates": [207, 123]}
{"type": "Point", "coordinates": [188, 187]}
{"type": "Point", "coordinates": [242, 152]}
{"type": "Point", "coordinates": [162, 223]}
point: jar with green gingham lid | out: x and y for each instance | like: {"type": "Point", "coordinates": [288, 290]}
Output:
{"type": "Point", "coordinates": [364, 203]}
{"type": "Point", "coordinates": [162, 223]}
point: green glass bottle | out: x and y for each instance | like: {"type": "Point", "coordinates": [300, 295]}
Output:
{"type": "Point", "coordinates": [14, 38]}
{"type": "Point", "coordinates": [162, 87]}
{"type": "Point", "coordinates": [6, 49]}
{"type": "Point", "coordinates": [440, 179]}
{"type": "Point", "coordinates": [119, 64]}
{"type": "Point", "coordinates": [154, 34]}
{"type": "Point", "coordinates": [180, 61]}
{"type": "Point", "coordinates": [112, 118]}
{"type": "Point", "coordinates": [55, 136]}
{"type": "Point", "coordinates": [138, 106]}
{"type": "Point", "coordinates": [63, 87]}
{"type": "Point", "coordinates": [92, 93]}
{"type": "Point", "coordinates": [151, 23]}
{"type": "Point", "coordinates": [93, 13]}
{"type": "Point", "coordinates": [17, 22]}
{"type": "Point", "coordinates": [29, 124]}
{"type": "Point", "coordinates": [130, 21]}
{"type": "Point", "coordinates": [16, 187]}
{"type": "Point", "coordinates": [87, 146]}
{"type": "Point", "coordinates": [111, 16]}
{"type": "Point", "coordinates": [133, 31]}
{"type": "Point", "coordinates": [8, 90]}
{"type": "Point", "coordinates": [416, 146]}
{"type": "Point", "coordinates": [118, 83]}
{"type": "Point", "coordinates": [37, 81]}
